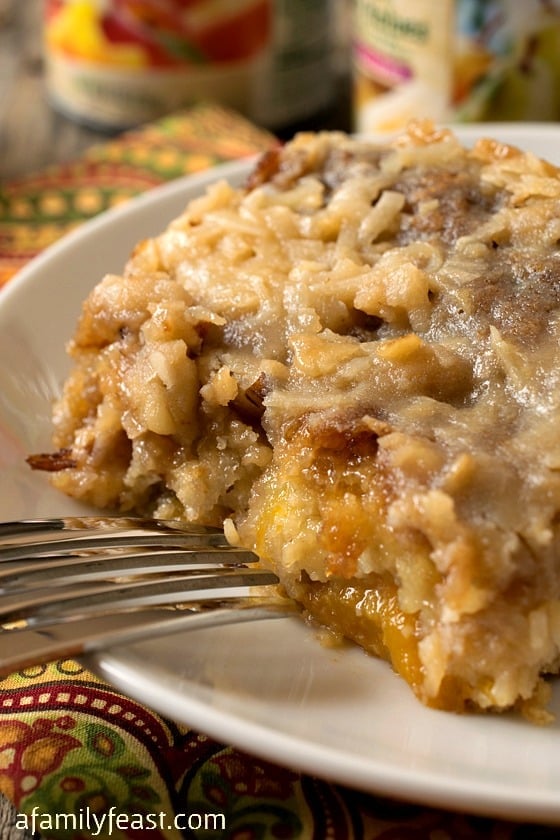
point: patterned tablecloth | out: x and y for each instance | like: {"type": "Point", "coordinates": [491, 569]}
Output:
{"type": "Point", "coordinates": [72, 745]}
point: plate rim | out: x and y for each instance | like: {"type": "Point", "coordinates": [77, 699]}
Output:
{"type": "Point", "coordinates": [373, 776]}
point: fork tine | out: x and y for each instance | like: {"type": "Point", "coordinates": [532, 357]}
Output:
{"type": "Point", "coordinates": [101, 597]}
{"type": "Point", "coordinates": [28, 527]}
{"type": "Point", "coordinates": [64, 640]}
{"type": "Point", "coordinates": [86, 583]}
{"type": "Point", "coordinates": [32, 537]}
{"type": "Point", "coordinates": [46, 570]}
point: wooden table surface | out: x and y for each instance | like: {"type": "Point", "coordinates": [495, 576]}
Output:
{"type": "Point", "coordinates": [32, 133]}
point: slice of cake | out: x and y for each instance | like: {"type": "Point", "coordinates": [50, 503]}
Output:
{"type": "Point", "coordinates": [354, 362]}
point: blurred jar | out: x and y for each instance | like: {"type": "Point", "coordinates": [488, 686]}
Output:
{"type": "Point", "coordinates": [117, 63]}
{"type": "Point", "coordinates": [455, 61]}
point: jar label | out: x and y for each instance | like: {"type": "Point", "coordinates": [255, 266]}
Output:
{"type": "Point", "coordinates": [118, 63]}
{"type": "Point", "coordinates": [455, 60]}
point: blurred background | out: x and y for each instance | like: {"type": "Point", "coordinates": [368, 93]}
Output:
{"type": "Point", "coordinates": [73, 72]}
{"type": "Point", "coordinates": [33, 133]}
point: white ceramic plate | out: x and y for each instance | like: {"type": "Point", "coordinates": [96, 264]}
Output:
{"type": "Point", "coordinates": [270, 688]}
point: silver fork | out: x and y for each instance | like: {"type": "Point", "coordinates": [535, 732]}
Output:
{"type": "Point", "coordinates": [76, 585]}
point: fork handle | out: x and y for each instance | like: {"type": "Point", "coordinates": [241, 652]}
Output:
{"type": "Point", "coordinates": [66, 640]}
